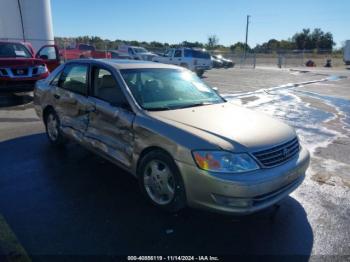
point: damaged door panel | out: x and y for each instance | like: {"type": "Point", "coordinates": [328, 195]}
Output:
{"type": "Point", "coordinates": [71, 100]}
{"type": "Point", "coordinates": [110, 124]}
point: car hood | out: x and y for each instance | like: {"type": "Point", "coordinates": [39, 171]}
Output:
{"type": "Point", "coordinates": [148, 54]}
{"type": "Point", "coordinates": [242, 127]}
{"type": "Point", "coordinates": [12, 61]}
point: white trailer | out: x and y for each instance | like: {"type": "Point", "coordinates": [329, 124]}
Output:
{"type": "Point", "coordinates": [28, 21]}
{"type": "Point", "coordinates": [347, 52]}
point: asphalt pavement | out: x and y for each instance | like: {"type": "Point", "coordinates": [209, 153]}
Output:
{"type": "Point", "coordinates": [72, 202]}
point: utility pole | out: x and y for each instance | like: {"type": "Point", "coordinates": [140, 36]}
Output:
{"type": "Point", "coordinates": [246, 37]}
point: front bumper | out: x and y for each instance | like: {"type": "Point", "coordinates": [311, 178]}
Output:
{"type": "Point", "coordinates": [19, 84]}
{"type": "Point", "coordinates": [243, 193]}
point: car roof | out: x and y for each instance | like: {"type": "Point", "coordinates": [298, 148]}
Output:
{"type": "Point", "coordinates": [126, 64]}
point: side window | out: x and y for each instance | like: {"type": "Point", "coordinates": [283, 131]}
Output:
{"type": "Point", "coordinates": [178, 53]}
{"type": "Point", "coordinates": [106, 88]}
{"type": "Point", "coordinates": [48, 53]}
{"type": "Point", "coordinates": [74, 78]}
{"type": "Point", "coordinates": [169, 53]}
{"type": "Point", "coordinates": [188, 53]}
{"type": "Point", "coordinates": [56, 79]}
{"type": "Point", "coordinates": [130, 51]}
{"type": "Point", "coordinates": [85, 47]}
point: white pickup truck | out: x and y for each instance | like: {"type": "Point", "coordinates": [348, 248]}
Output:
{"type": "Point", "coordinates": [136, 52]}
{"type": "Point", "coordinates": [194, 59]}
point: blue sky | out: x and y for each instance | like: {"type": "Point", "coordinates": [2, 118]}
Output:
{"type": "Point", "coordinates": [193, 20]}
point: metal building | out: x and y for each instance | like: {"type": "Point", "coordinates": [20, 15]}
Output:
{"type": "Point", "coordinates": [26, 20]}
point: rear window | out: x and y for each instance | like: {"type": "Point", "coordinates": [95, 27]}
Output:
{"type": "Point", "coordinates": [196, 54]}
{"type": "Point", "coordinates": [86, 48]}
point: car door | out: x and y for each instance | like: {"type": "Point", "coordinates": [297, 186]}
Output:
{"type": "Point", "coordinates": [110, 128]}
{"type": "Point", "coordinates": [70, 99]}
{"type": "Point", "coordinates": [50, 55]}
{"type": "Point", "coordinates": [177, 57]}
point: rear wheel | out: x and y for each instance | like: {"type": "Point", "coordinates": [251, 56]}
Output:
{"type": "Point", "coordinates": [53, 131]}
{"type": "Point", "coordinates": [161, 181]}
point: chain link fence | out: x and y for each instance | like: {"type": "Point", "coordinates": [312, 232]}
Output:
{"type": "Point", "coordinates": [265, 58]}
{"type": "Point", "coordinates": [284, 58]}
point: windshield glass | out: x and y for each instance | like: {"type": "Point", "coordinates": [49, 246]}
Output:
{"type": "Point", "coordinates": [140, 50]}
{"type": "Point", "coordinates": [166, 89]}
{"type": "Point", "coordinates": [14, 50]}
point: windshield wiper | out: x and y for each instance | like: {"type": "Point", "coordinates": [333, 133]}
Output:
{"type": "Point", "coordinates": [162, 108]}
{"type": "Point", "coordinates": [195, 104]}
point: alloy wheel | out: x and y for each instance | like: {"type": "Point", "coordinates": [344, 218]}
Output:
{"type": "Point", "coordinates": [159, 182]}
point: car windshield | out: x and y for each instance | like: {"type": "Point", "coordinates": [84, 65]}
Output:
{"type": "Point", "coordinates": [14, 50]}
{"type": "Point", "coordinates": [140, 50]}
{"type": "Point", "coordinates": [167, 89]}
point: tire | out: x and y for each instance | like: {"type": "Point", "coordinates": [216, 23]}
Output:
{"type": "Point", "coordinates": [161, 181]}
{"type": "Point", "coordinates": [184, 65]}
{"type": "Point", "coordinates": [200, 73]}
{"type": "Point", "coordinates": [53, 131]}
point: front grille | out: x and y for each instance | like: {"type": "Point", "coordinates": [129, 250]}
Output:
{"type": "Point", "coordinates": [279, 154]}
{"type": "Point", "coordinates": [20, 71]}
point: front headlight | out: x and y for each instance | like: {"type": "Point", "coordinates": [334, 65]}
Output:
{"type": "Point", "coordinates": [224, 162]}
{"type": "Point", "coordinates": [42, 69]}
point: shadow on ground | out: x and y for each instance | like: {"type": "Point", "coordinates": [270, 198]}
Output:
{"type": "Point", "coordinates": [71, 202]}
{"type": "Point", "coordinates": [13, 99]}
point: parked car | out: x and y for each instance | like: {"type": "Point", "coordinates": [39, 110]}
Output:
{"type": "Point", "coordinates": [20, 67]}
{"type": "Point", "coordinates": [225, 62]}
{"type": "Point", "coordinates": [136, 52]}
{"type": "Point", "coordinates": [83, 51]}
{"type": "Point", "coordinates": [346, 56]}
{"type": "Point", "coordinates": [217, 63]}
{"type": "Point", "coordinates": [116, 55]}
{"type": "Point", "coordinates": [194, 59]}
{"type": "Point", "coordinates": [184, 143]}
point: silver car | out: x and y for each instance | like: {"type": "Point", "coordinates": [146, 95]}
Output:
{"type": "Point", "coordinates": [184, 143]}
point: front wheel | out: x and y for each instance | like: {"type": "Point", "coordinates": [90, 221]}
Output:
{"type": "Point", "coordinates": [161, 181]}
{"type": "Point", "coordinates": [52, 124]}
{"type": "Point", "coordinates": [200, 73]}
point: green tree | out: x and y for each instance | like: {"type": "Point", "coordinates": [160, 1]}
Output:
{"type": "Point", "coordinates": [239, 47]}
{"type": "Point", "coordinates": [192, 44]}
{"type": "Point", "coordinates": [213, 41]}
{"type": "Point", "coordinates": [317, 39]}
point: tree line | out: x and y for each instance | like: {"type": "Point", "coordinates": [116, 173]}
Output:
{"type": "Point", "coordinates": [316, 40]}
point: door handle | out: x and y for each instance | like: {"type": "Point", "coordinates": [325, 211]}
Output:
{"type": "Point", "coordinates": [90, 108]}
{"type": "Point", "coordinates": [56, 96]}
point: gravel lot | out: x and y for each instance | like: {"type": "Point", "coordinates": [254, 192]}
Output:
{"type": "Point", "coordinates": [74, 203]}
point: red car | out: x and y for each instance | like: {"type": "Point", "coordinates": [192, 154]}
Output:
{"type": "Point", "coordinates": [83, 51]}
{"type": "Point", "coordinates": [20, 67]}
